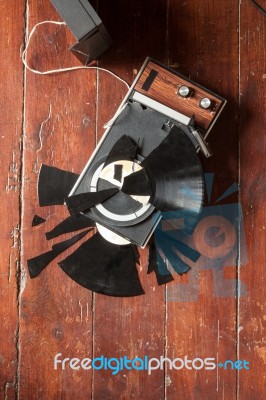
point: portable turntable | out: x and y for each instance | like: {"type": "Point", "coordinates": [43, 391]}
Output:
{"type": "Point", "coordinates": [156, 132]}
{"type": "Point", "coordinates": [146, 163]}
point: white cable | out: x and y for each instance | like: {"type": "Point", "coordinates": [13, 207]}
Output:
{"type": "Point", "coordinates": [59, 70]}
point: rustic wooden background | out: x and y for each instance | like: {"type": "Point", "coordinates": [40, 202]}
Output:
{"type": "Point", "coordinates": [57, 120]}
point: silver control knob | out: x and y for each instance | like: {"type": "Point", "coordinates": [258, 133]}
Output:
{"type": "Point", "coordinates": [184, 91]}
{"type": "Point", "coordinates": [205, 103]}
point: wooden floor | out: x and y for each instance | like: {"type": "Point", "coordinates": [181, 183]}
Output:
{"type": "Point", "coordinates": [57, 120]}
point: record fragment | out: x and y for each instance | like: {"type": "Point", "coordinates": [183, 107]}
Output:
{"type": "Point", "coordinates": [175, 261]}
{"type": "Point", "coordinates": [71, 224]}
{"type": "Point", "coordinates": [137, 184]}
{"type": "Point", "coordinates": [37, 264]}
{"type": "Point", "coordinates": [123, 149]}
{"type": "Point", "coordinates": [175, 177]}
{"type": "Point", "coordinates": [158, 266]}
{"type": "Point", "coordinates": [54, 185]}
{"type": "Point", "coordinates": [37, 220]}
{"type": "Point", "coordinates": [84, 201]}
{"type": "Point", "coordinates": [104, 268]}
{"type": "Point", "coordinates": [118, 172]}
{"type": "Point", "coordinates": [175, 174]}
{"type": "Point", "coordinates": [103, 184]}
{"type": "Point", "coordinates": [168, 244]}
{"type": "Point", "coordinates": [163, 239]}
{"type": "Point", "coordinates": [170, 253]}
{"type": "Point", "coordinates": [122, 202]}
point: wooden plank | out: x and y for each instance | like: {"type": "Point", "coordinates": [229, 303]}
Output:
{"type": "Point", "coordinates": [58, 316]}
{"type": "Point", "coordinates": [11, 77]}
{"type": "Point", "coordinates": [251, 340]}
{"type": "Point", "coordinates": [131, 327]}
{"type": "Point", "coordinates": [199, 322]}
{"type": "Point", "coordinates": [59, 131]}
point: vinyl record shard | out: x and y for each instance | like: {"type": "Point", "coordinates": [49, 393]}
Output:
{"type": "Point", "coordinates": [175, 177]}
{"type": "Point", "coordinates": [163, 238]}
{"type": "Point", "coordinates": [104, 268]}
{"type": "Point", "coordinates": [118, 173]}
{"type": "Point", "coordinates": [158, 266]}
{"type": "Point", "coordinates": [175, 261]}
{"type": "Point", "coordinates": [175, 174]}
{"type": "Point", "coordinates": [137, 184]}
{"type": "Point", "coordinates": [37, 220]}
{"type": "Point", "coordinates": [84, 201]}
{"type": "Point", "coordinates": [123, 149]}
{"type": "Point", "coordinates": [70, 224]}
{"type": "Point", "coordinates": [170, 246]}
{"type": "Point", "coordinates": [37, 264]}
{"type": "Point", "coordinates": [103, 184]}
{"type": "Point", "coordinates": [54, 185]}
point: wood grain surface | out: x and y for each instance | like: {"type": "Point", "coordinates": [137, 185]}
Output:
{"type": "Point", "coordinates": [60, 116]}
{"type": "Point", "coordinates": [164, 89]}
{"type": "Point", "coordinates": [252, 319]}
{"type": "Point", "coordinates": [11, 109]}
{"type": "Point", "coordinates": [205, 326]}
{"type": "Point", "coordinates": [58, 120]}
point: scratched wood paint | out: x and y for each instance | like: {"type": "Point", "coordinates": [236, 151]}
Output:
{"type": "Point", "coordinates": [61, 116]}
{"type": "Point", "coordinates": [251, 323]}
{"type": "Point", "coordinates": [11, 78]}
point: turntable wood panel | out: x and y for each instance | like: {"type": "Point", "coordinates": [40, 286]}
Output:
{"type": "Point", "coordinates": [162, 84]}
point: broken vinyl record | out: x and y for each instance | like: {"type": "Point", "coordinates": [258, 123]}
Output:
{"type": "Point", "coordinates": [173, 177]}
{"type": "Point", "coordinates": [104, 267]}
{"type": "Point", "coordinates": [124, 192]}
{"type": "Point", "coordinates": [145, 171]}
{"type": "Point", "coordinates": [120, 209]}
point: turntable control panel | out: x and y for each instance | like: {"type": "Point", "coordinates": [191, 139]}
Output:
{"type": "Point", "coordinates": [176, 92]}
